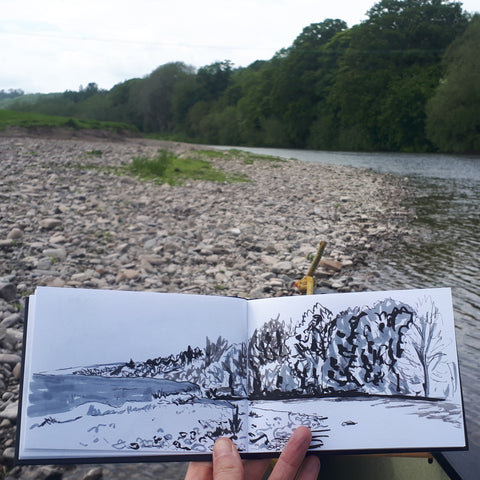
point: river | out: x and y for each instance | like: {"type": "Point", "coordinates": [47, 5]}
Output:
{"type": "Point", "coordinates": [443, 250]}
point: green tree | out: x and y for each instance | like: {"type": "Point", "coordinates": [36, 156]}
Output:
{"type": "Point", "coordinates": [123, 102]}
{"type": "Point", "coordinates": [294, 89]}
{"type": "Point", "coordinates": [155, 97]}
{"type": "Point", "coordinates": [186, 94]}
{"type": "Point", "coordinates": [324, 129]}
{"type": "Point", "coordinates": [214, 79]}
{"type": "Point", "coordinates": [369, 86]}
{"type": "Point", "coordinates": [453, 120]}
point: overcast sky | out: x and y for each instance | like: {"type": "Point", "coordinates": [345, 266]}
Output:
{"type": "Point", "coordinates": [57, 45]}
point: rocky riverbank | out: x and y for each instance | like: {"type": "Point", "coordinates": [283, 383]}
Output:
{"type": "Point", "coordinates": [67, 221]}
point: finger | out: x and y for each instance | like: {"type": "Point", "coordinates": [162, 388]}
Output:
{"type": "Point", "coordinates": [310, 469]}
{"type": "Point", "coordinates": [255, 469]}
{"type": "Point", "coordinates": [227, 464]}
{"type": "Point", "coordinates": [293, 455]}
{"type": "Point", "coordinates": [199, 471]}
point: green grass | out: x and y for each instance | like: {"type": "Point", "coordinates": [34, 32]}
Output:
{"type": "Point", "coordinates": [248, 158]}
{"type": "Point", "coordinates": [166, 167]}
{"type": "Point", "coordinates": [94, 153]}
{"type": "Point", "coordinates": [171, 137]}
{"type": "Point", "coordinates": [10, 118]}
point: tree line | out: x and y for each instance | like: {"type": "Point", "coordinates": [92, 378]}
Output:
{"type": "Point", "coordinates": [405, 79]}
{"type": "Point", "coordinates": [389, 348]}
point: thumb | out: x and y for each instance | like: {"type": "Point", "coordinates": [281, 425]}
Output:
{"type": "Point", "coordinates": [227, 464]}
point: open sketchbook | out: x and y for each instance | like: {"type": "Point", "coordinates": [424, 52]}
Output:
{"type": "Point", "coordinates": [130, 376]}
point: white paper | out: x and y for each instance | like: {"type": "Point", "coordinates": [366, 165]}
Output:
{"type": "Point", "coordinates": [111, 373]}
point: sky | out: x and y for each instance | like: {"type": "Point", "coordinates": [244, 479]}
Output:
{"type": "Point", "coordinates": [57, 45]}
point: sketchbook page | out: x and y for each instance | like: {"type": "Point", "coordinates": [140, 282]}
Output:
{"type": "Point", "coordinates": [365, 371]}
{"type": "Point", "coordinates": [115, 373]}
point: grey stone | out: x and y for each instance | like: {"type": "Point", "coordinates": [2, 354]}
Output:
{"type": "Point", "coordinates": [94, 474]}
{"type": "Point", "coordinates": [149, 244]}
{"type": "Point", "coordinates": [14, 335]}
{"type": "Point", "coordinates": [6, 244]}
{"type": "Point", "coordinates": [258, 292]}
{"type": "Point", "coordinates": [10, 358]}
{"type": "Point", "coordinates": [9, 453]}
{"type": "Point", "coordinates": [44, 263]}
{"type": "Point", "coordinates": [282, 267]}
{"type": "Point", "coordinates": [8, 291]}
{"type": "Point", "coordinates": [57, 238]}
{"type": "Point", "coordinates": [15, 234]}
{"type": "Point", "coordinates": [17, 371]}
{"type": "Point", "coordinates": [11, 319]}
{"type": "Point", "coordinates": [10, 412]}
{"type": "Point", "coordinates": [50, 223]}
{"type": "Point", "coordinates": [56, 253]}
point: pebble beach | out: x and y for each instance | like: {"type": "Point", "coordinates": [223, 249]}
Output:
{"type": "Point", "coordinates": [71, 217]}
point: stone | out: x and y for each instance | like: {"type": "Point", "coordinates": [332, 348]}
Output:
{"type": "Point", "coordinates": [6, 244]}
{"type": "Point", "coordinates": [94, 474]}
{"type": "Point", "coordinates": [50, 223]}
{"type": "Point", "coordinates": [12, 319]}
{"type": "Point", "coordinates": [43, 473]}
{"type": "Point", "coordinates": [15, 234]}
{"type": "Point", "coordinates": [8, 291]}
{"type": "Point", "coordinates": [330, 264]}
{"type": "Point", "coordinates": [56, 253]}
{"type": "Point", "coordinates": [10, 412]}
{"type": "Point", "coordinates": [17, 371]}
{"type": "Point", "coordinates": [149, 244]}
{"type": "Point", "coordinates": [282, 267]}
{"type": "Point", "coordinates": [55, 282]}
{"type": "Point", "coordinates": [268, 260]}
{"type": "Point", "coordinates": [83, 276]}
{"type": "Point", "coordinates": [10, 358]}
{"type": "Point", "coordinates": [153, 259]}
{"type": "Point", "coordinates": [44, 263]}
{"type": "Point", "coordinates": [9, 453]}
{"type": "Point", "coordinates": [258, 292]}
{"type": "Point", "coordinates": [128, 274]}
{"type": "Point", "coordinates": [57, 238]}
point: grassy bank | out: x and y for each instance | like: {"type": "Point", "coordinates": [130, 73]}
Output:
{"type": "Point", "coordinates": [167, 167]}
{"type": "Point", "coordinates": [32, 121]}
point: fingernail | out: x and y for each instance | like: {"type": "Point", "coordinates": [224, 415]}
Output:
{"type": "Point", "coordinates": [223, 446]}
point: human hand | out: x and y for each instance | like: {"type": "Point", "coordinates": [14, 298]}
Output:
{"type": "Point", "coordinates": [227, 464]}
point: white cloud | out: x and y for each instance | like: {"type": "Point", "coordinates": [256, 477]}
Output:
{"type": "Point", "coordinates": [56, 45]}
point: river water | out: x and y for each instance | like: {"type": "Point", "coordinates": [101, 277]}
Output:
{"type": "Point", "coordinates": [443, 250]}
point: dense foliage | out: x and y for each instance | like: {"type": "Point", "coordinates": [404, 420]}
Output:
{"type": "Point", "coordinates": [453, 118]}
{"type": "Point", "coordinates": [361, 88]}
{"type": "Point", "coordinates": [11, 93]}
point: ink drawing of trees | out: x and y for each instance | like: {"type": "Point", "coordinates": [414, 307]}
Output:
{"type": "Point", "coordinates": [309, 347]}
